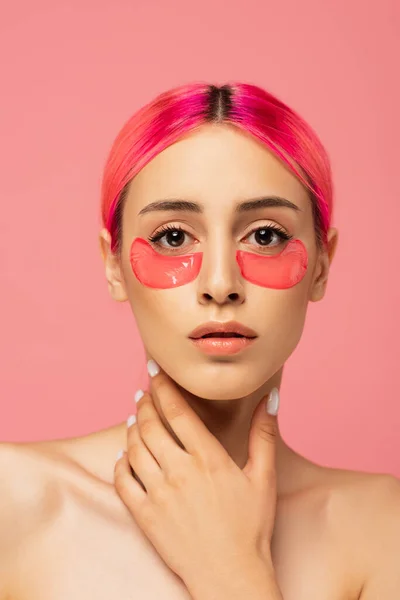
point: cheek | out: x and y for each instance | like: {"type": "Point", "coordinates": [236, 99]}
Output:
{"type": "Point", "coordinates": [156, 271]}
{"type": "Point", "coordinates": [161, 314]}
{"type": "Point", "coordinates": [281, 316]}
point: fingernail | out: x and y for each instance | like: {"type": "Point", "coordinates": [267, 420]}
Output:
{"type": "Point", "coordinates": [120, 454]}
{"type": "Point", "coordinates": [153, 368]}
{"type": "Point", "coordinates": [139, 394]}
{"type": "Point", "coordinates": [131, 420]}
{"type": "Point", "coordinates": [273, 402]}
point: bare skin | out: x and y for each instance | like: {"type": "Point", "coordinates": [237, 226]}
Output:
{"type": "Point", "coordinates": [65, 533]}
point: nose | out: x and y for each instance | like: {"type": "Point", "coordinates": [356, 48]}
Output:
{"type": "Point", "coordinates": [220, 279]}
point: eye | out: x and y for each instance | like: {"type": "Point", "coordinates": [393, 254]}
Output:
{"type": "Point", "coordinates": [268, 236]}
{"type": "Point", "coordinates": [170, 237]}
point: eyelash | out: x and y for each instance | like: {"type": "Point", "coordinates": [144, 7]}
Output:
{"type": "Point", "coordinates": [156, 237]}
{"type": "Point", "coordinates": [165, 228]}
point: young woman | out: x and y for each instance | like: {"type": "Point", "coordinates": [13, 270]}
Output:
{"type": "Point", "coordinates": [216, 206]}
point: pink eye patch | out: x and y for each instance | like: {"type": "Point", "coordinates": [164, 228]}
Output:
{"type": "Point", "coordinates": [160, 271]}
{"type": "Point", "coordinates": [280, 271]}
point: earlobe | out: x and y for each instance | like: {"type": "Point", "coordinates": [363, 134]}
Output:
{"type": "Point", "coordinates": [114, 276]}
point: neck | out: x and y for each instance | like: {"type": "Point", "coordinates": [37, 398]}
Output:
{"type": "Point", "coordinates": [229, 421]}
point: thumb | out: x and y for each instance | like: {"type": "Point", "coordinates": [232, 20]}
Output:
{"type": "Point", "coordinates": [260, 466]}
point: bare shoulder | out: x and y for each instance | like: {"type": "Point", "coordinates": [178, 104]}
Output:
{"type": "Point", "coordinates": [27, 496]}
{"type": "Point", "coordinates": [41, 480]}
{"type": "Point", "coordinates": [44, 488]}
{"type": "Point", "coordinates": [376, 510]}
{"type": "Point", "coordinates": [366, 498]}
{"type": "Point", "coordinates": [372, 488]}
{"type": "Point", "coordinates": [365, 512]}
{"type": "Point", "coordinates": [27, 484]}
{"type": "Point", "coordinates": [362, 502]}
{"type": "Point", "coordinates": [31, 492]}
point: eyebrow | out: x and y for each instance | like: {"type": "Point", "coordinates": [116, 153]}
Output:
{"type": "Point", "coordinates": [194, 207]}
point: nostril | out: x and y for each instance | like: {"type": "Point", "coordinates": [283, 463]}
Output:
{"type": "Point", "coordinates": [233, 297]}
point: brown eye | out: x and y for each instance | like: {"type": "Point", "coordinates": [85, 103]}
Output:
{"type": "Point", "coordinates": [267, 237]}
{"type": "Point", "coordinates": [175, 238]}
{"type": "Point", "coordinates": [264, 237]}
{"type": "Point", "coordinates": [170, 237]}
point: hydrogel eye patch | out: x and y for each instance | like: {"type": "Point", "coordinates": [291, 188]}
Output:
{"type": "Point", "coordinates": [279, 271]}
{"type": "Point", "coordinates": [159, 271]}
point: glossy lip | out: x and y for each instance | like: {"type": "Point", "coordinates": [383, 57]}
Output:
{"type": "Point", "coordinates": [219, 327]}
{"type": "Point", "coordinates": [222, 346]}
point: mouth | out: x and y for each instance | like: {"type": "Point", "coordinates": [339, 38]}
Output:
{"type": "Point", "coordinates": [230, 329]}
{"type": "Point", "coordinates": [222, 338]}
{"type": "Point", "coordinates": [221, 334]}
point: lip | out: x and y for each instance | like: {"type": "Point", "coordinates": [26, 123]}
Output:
{"type": "Point", "coordinates": [219, 327]}
{"type": "Point", "coordinates": [222, 346]}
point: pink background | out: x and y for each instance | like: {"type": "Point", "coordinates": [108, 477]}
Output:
{"type": "Point", "coordinates": [72, 73]}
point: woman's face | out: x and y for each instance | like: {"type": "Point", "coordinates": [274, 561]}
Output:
{"type": "Point", "coordinates": [218, 168]}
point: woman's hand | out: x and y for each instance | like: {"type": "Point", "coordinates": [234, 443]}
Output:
{"type": "Point", "coordinates": [204, 515]}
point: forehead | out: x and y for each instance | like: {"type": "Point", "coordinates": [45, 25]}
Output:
{"type": "Point", "coordinates": [215, 163]}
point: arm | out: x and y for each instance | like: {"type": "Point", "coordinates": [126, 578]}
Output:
{"type": "Point", "coordinates": [382, 580]}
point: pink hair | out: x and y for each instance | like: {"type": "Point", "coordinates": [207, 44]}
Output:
{"type": "Point", "coordinates": [180, 110]}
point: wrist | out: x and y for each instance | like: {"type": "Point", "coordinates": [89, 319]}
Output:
{"type": "Point", "coordinates": [253, 581]}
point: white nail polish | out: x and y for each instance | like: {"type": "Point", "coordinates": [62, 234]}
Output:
{"type": "Point", "coordinates": [139, 394]}
{"type": "Point", "coordinates": [153, 368]}
{"type": "Point", "coordinates": [131, 420]}
{"type": "Point", "coordinates": [120, 454]}
{"type": "Point", "coordinates": [273, 402]}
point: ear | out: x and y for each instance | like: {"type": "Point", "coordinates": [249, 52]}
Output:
{"type": "Point", "coordinates": [324, 261]}
{"type": "Point", "coordinates": [112, 263]}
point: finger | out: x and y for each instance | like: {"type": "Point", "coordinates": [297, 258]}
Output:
{"type": "Point", "coordinates": [129, 490]}
{"type": "Point", "coordinates": [184, 422]}
{"type": "Point", "coordinates": [140, 458]}
{"type": "Point", "coordinates": [155, 436]}
{"type": "Point", "coordinates": [260, 466]}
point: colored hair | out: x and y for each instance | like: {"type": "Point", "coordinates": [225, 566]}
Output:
{"type": "Point", "coordinates": [186, 108]}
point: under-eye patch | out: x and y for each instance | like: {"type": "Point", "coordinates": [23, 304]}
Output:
{"type": "Point", "coordinates": [159, 271]}
{"type": "Point", "coordinates": [278, 271]}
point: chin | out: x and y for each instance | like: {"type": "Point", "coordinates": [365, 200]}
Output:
{"type": "Point", "coordinates": [219, 381]}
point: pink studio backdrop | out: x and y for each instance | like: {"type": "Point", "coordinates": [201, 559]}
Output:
{"type": "Point", "coordinates": [72, 73]}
